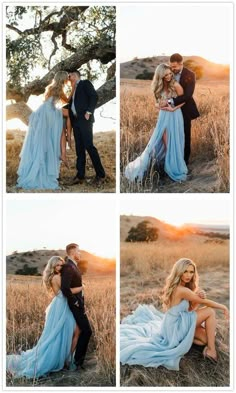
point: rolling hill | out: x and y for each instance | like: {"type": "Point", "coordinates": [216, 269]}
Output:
{"type": "Point", "coordinates": [130, 69]}
{"type": "Point", "coordinates": [38, 258]}
{"type": "Point", "coordinates": [171, 232]}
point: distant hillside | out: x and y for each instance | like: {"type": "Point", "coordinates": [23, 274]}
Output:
{"type": "Point", "coordinates": [166, 231]}
{"type": "Point", "coordinates": [171, 232]}
{"type": "Point", "coordinates": [39, 258]}
{"type": "Point", "coordinates": [131, 69]}
{"type": "Point", "coordinates": [209, 228]}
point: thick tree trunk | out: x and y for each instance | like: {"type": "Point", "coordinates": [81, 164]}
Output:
{"type": "Point", "coordinates": [106, 92]}
{"type": "Point", "coordinates": [20, 110]}
{"type": "Point", "coordinates": [104, 52]}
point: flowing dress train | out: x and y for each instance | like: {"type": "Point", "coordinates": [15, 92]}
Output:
{"type": "Point", "coordinates": [152, 339]}
{"type": "Point", "coordinates": [53, 347]}
{"type": "Point", "coordinates": [40, 155]}
{"type": "Point", "coordinates": [172, 156]}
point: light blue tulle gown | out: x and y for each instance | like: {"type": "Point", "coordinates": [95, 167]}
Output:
{"type": "Point", "coordinates": [53, 347]}
{"type": "Point", "coordinates": [150, 338]}
{"type": "Point", "coordinates": [40, 155]}
{"type": "Point", "coordinates": [172, 156]}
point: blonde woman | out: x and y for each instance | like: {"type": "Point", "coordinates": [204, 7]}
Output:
{"type": "Point", "coordinates": [166, 146]}
{"type": "Point", "coordinates": [44, 144]}
{"type": "Point", "coordinates": [52, 90]}
{"type": "Point", "coordinates": [152, 339]}
{"type": "Point", "coordinates": [57, 343]}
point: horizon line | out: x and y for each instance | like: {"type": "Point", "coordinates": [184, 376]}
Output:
{"type": "Point", "coordinates": [165, 55]}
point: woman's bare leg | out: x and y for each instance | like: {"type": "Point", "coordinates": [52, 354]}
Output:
{"type": "Point", "coordinates": [75, 339]}
{"type": "Point", "coordinates": [68, 125]}
{"type": "Point", "coordinates": [207, 314]}
{"type": "Point", "coordinates": [164, 139]}
{"type": "Point", "coordinates": [200, 336]}
{"type": "Point", "coordinates": [68, 131]}
{"type": "Point", "coordinates": [63, 145]}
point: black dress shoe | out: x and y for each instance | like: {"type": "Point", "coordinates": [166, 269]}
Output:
{"type": "Point", "coordinates": [97, 181]}
{"type": "Point", "coordinates": [80, 367]}
{"type": "Point", "coordinates": [77, 180]}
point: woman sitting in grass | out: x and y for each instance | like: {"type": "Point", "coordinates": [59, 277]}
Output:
{"type": "Point", "coordinates": [152, 339]}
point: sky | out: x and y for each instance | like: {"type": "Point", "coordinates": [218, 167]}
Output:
{"type": "Point", "coordinates": [190, 29]}
{"type": "Point", "coordinates": [34, 224]}
{"type": "Point", "coordinates": [180, 211]}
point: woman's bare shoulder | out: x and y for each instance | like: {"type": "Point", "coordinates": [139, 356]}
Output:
{"type": "Point", "coordinates": [56, 279]}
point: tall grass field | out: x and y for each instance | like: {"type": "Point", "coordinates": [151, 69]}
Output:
{"type": "Point", "coordinates": [26, 305]}
{"type": "Point", "coordinates": [209, 164]}
{"type": "Point", "coordinates": [143, 271]}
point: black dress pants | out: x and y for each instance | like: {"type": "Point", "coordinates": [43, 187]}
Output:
{"type": "Point", "coordinates": [85, 334]}
{"type": "Point", "coordinates": [187, 133]}
{"type": "Point", "coordinates": [83, 134]}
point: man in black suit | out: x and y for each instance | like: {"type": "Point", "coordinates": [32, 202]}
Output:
{"type": "Point", "coordinates": [81, 110]}
{"type": "Point", "coordinates": [186, 79]}
{"type": "Point", "coordinates": [71, 278]}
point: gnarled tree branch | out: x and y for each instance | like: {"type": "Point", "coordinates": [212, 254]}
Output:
{"type": "Point", "coordinates": [106, 92]}
{"type": "Point", "coordinates": [20, 110]}
{"type": "Point", "coordinates": [104, 52]}
{"type": "Point", "coordinates": [70, 14]}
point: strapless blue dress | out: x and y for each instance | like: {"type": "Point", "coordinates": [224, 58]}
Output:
{"type": "Point", "coordinates": [150, 338]}
{"type": "Point", "coordinates": [172, 156]}
{"type": "Point", "coordinates": [40, 155]}
{"type": "Point", "coordinates": [53, 347]}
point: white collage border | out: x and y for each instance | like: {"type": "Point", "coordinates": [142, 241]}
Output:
{"type": "Point", "coordinates": [117, 197]}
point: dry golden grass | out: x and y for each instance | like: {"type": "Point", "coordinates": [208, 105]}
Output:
{"type": "Point", "coordinates": [106, 145]}
{"type": "Point", "coordinates": [144, 268]}
{"type": "Point", "coordinates": [210, 137]}
{"type": "Point", "coordinates": [26, 304]}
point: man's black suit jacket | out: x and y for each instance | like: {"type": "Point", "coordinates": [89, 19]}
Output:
{"type": "Point", "coordinates": [71, 278]}
{"type": "Point", "coordinates": [187, 81]}
{"type": "Point", "coordinates": [85, 100]}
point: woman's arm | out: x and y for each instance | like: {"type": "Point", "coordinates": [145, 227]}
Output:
{"type": "Point", "coordinates": [64, 98]}
{"type": "Point", "coordinates": [202, 294]}
{"type": "Point", "coordinates": [76, 290]}
{"type": "Point", "coordinates": [179, 91]}
{"type": "Point", "coordinates": [186, 293]}
{"type": "Point", "coordinates": [169, 108]}
{"type": "Point", "coordinates": [178, 88]}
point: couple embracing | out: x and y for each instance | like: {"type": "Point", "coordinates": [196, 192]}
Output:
{"type": "Point", "coordinates": [50, 129]}
{"type": "Point", "coordinates": [66, 333]}
{"type": "Point", "coordinates": [170, 144]}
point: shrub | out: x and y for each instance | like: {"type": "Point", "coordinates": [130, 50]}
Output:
{"type": "Point", "coordinates": [28, 271]}
{"type": "Point", "coordinates": [143, 232]}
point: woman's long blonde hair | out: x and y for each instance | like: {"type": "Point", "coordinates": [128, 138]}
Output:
{"type": "Point", "coordinates": [174, 278]}
{"type": "Point", "coordinates": [158, 83]}
{"type": "Point", "coordinates": [49, 271]}
{"type": "Point", "coordinates": [55, 89]}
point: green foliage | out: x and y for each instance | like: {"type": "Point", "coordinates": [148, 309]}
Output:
{"type": "Point", "coordinates": [14, 14]}
{"type": "Point", "coordinates": [195, 67]}
{"type": "Point", "coordinates": [146, 75]}
{"type": "Point", "coordinates": [28, 271]}
{"type": "Point", "coordinates": [22, 55]}
{"type": "Point", "coordinates": [143, 232]}
{"type": "Point", "coordinates": [26, 52]}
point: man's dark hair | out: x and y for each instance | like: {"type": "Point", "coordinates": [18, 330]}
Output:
{"type": "Point", "coordinates": [176, 57]}
{"type": "Point", "coordinates": [70, 247]}
{"type": "Point", "coordinates": [74, 71]}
